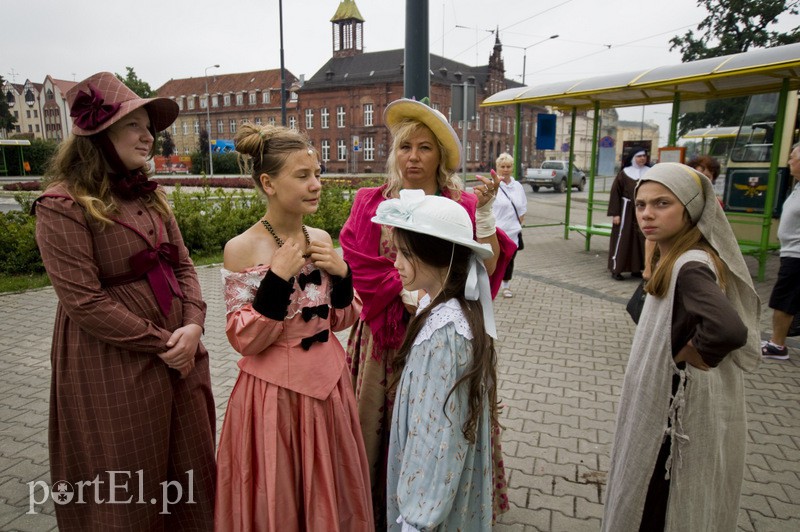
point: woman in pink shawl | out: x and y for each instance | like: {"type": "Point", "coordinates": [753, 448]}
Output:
{"type": "Point", "coordinates": [425, 154]}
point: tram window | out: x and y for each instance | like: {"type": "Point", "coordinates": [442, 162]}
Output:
{"type": "Point", "coordinates": [756, 135]}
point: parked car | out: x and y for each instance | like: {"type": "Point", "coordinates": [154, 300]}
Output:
{"type": "Point", "coordinates": [553, 174]}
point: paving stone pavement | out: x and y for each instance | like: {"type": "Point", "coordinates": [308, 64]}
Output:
{"type": "Point", "coordinates": [564, 342]}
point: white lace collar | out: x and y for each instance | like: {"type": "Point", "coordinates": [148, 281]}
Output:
{"type": "Point", "coordinates": [444, 313]}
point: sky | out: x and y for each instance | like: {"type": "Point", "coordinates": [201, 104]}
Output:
{"type": "Point", "coordinates": [164, 39]}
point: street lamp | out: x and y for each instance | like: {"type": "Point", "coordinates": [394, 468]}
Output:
{"type": "Point", "coordinates": [208, 120]}
{"type": "Point", "coordinates": [525, 53]}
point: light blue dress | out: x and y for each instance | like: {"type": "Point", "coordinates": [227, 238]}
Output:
{"type": "Point", "coordinates": [437, 480]}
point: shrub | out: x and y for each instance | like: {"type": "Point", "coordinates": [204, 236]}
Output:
{"type": "Point", "coordinates": [224, 163]}
{"type": "Point", "coordinates": [18, 251]}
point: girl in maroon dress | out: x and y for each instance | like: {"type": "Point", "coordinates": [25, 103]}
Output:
{"type": "Point", "coordinates": [132, 417]}
{"type": "Point", "coordinates": [291, 455]}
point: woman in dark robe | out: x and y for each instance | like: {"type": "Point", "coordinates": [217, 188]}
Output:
{"type": "Point", "coordinates": [626, 250]}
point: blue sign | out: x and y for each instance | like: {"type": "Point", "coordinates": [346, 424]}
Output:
{"type": "Point", "coordinates": [565, 147]}
{"type": "Point", "coordinates": [606, 142]}
{"type": "Point", "coordinates": [545, 131]}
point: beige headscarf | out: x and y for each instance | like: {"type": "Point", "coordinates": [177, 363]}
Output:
{"type": "Point", "coordinates": [696, 193]}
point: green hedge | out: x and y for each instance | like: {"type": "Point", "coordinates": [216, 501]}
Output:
{"type": "Point", "coordinates": [208, 219]}
{"type": "Point", "coordinates": [224, 163]}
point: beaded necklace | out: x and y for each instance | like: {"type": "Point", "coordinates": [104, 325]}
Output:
{"type": "Point", "coordinates": [279, 240]}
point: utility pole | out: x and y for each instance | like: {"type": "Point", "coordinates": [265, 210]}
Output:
{"type": "Point", "coordinates": [416, 62]}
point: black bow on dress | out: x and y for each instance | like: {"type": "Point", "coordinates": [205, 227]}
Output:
{"type": "Point", "coordinates": [320, 337]}
{"type": "Point", "coordinates": [314, 277]}
{"type": "Point", "coordinates": [310, 312]}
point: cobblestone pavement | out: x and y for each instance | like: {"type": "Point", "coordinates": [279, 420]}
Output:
{"type": "Point", "coordinates": [564, 342]}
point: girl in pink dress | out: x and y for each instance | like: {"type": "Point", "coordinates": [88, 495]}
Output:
{"type": "Point", "coordinates": [291, 455]}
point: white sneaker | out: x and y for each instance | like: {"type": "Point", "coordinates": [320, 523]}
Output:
{"type": "Point", "coordinates": [507, 293]}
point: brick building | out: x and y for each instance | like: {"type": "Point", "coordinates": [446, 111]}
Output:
{"type": "Point", "coordinates": [235, 99]}
{"type": "Point", "coordinates": [345, 99]}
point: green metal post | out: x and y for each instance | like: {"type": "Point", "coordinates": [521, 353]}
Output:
{"type": "Point", "coordinates": [569, 172]}
{"type": "Point", "coordinates": [772, 181]}
{"type": "Point", "coordinates": [592, 173]}
{"type": "Point", "coordinates": [518, 144]}
{"type": "Point", "coordinates": [673, 121]}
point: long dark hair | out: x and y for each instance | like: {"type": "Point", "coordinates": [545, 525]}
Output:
{"type": "Point", "coordinates": [480, 378]}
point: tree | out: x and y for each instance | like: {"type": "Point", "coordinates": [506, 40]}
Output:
{"type": "Point", "coordinates": [7, 120]}
{"type": "Point", "coordinates": [140, 87]}
{"type": "Point", "coordinates": [167, 144]}
{"type": "Point", "coordinates": [202, 146]}
{"type": "Point", "coordinates": [731, 27]}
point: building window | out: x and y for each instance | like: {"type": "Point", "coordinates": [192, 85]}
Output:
{"type": "Point", "coordinates": [324, 117]}
{"type": "Point", "coordinates": [185, 128]}
{"type": "Point", "coordinates": [220, 126]}
{"type": "Point", "coordinates": [491, 122]}
{"type": "Point", "coordinates": [203, 102]}
{"type": "Point", "coordinates": [30, 128]}
{"type": "Point", "coordinates": [477, 151]}
{"type": "Point", "coordinates": [292, 122]}
{"type": "Point", "coordinates": [232, 125]}
{"type": "Point", "coordinates": [174, 129]}
{"type": "Point", "coordinates": [190, 102]}
{"type": "Point", "coordinates": [27, 113]}
{"type": "Point", "coordinates": [369, 149]}
{"type": "Point", "coordinates": [469, 151]}
{"type": "Point", "coordinates": [340, 116]}
{"type": "Point", "coordinates": [180, 104]}
{"type": "Point", "coordinates": [265, 96]}
{"type": "Point", "coordinates": [309, 119]}
{"type": "Point", "coordinates": [226, 100]}
{"type": "Point", "coordinates": [240, 99]}
{"type": "Point", "coordinates": [326, 150]}
{"type": "Point", "coordinates": [215, 101]}
{"type": "Point", "coordinates": [508, 126]}
{"type": "Point", "coordinates": [196, 127]}
{"type": "Point", "coordinates": [258, 120]}
{"type": "Point", "coordinates": [251, 98]}
{"type": "Point", "coordinates": [368, 115]}
{"type": "Point", "coordinates": [341, 150]}
{"type": "Point", "coordinates": [477, 121]}
{"type": "Point", "coordinates": [272, 120]}
{"type": "Point", "coordinates": [37, 128]}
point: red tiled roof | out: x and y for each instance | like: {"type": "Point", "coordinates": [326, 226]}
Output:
{"type": "Point", "coordinates": [225, 83]}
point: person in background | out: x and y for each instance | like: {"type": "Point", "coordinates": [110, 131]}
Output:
{"type": "Point", "coordinates": [785, 298]}
{"type": "Point", "coordinates": [509, 210]}
{"type": "Point", "coordinates": [131, 388]}
{"type": "Point", "coordinates": [439, 461]}
{"type": "Point", "coordinates": [291, 455]}
{"type": "Point", "coordinates": [425, 154]}
{"type": "Point", "coordinates": [677, 460]}
{"type": "Point", "coordinates": [706, 165]}
{"type": "Point", "coordinates": [626, 250]}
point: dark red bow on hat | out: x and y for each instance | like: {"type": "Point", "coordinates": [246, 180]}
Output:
{"type": "Point", "coordinates": [157, 263]}
{"type": "Point", "coordinates": [90, 110]}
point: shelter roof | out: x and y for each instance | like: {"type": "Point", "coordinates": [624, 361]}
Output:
{"type": "Point", "coordinates": [751, 72]}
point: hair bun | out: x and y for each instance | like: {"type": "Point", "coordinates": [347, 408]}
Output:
{"type": "Point", "coordinates": [252, 139]}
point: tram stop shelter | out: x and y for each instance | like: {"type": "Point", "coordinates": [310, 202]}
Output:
{"type": "Point", "coordinates": [769, 70]}
{"type": "Point", "coordinates": [10, 144]}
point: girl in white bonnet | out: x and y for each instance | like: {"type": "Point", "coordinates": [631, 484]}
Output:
{"type": "Point", "coordinates": [678, 456]}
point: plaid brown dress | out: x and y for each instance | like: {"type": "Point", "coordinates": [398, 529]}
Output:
{"type": "Point", "coordinates": [114, 405]}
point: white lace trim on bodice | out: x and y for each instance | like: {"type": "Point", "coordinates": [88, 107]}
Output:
{"type": "Point", "coordinates": [447, 312]}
